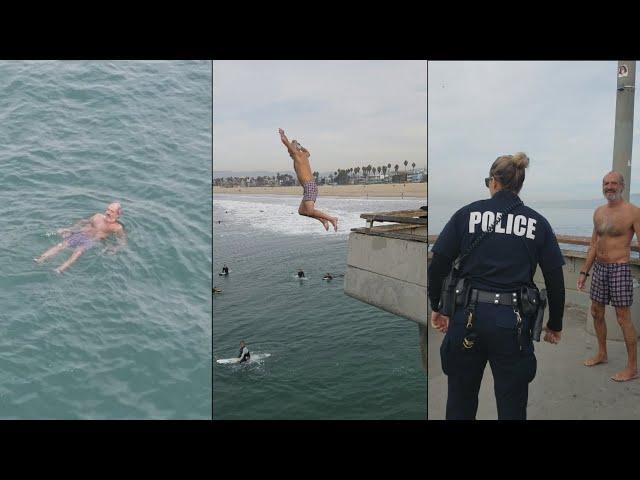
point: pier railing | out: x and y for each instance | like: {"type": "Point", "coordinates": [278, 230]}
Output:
{"type": "Point", "coordinates": [568, 252]}
{"type": "Point", "coordinates": [405, 225]}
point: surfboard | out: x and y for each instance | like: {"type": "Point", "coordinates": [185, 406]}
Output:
{"type": "Point", "coordinates": [223, 274]}
{"type": "Point", "coordinates": [254, 358]}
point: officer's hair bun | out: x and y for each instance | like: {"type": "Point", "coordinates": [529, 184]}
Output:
{"type": "Point", "coordinates": [508, 170]}
{"type": "Point", "coordinates": [520, 160]}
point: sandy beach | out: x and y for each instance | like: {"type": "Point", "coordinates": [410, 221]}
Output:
{"type": "Point", "coordinates": [402, 190]}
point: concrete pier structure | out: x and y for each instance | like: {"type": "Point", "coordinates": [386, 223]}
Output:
{"type": "Point", "coordinates": [386, 266]}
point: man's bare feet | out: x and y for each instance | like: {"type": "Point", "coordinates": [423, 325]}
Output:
{"type": "Point", "coordinates": [38, 260]}
{"type": "Point", "coordinates": [625, 375]}
{"type": "Point", "coordinates": [325, 223]}
{"type": "Point", "coordinates": [59, 270]}
{"type": "Point", "coordinates": [595, 360]}
{"type": "Point", "coordinates": [334, 222]}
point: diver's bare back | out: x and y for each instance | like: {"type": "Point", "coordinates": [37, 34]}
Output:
{"type": "Point", "coordinates": [614, 229]}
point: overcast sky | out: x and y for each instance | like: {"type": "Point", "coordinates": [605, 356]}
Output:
{"type": "Point", "coordinates": [347, 113]}
{"type": "Point", "coordinates": [562, 114]}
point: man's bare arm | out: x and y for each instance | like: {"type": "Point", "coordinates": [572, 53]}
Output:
{"type": "Point", "coordinates": [593, 246]}
{"type": "Point", "coordinates": [591, 255]}
{"type": "Point", "coordinates": [76, 226]}
{"type": "Point", "coordinates": [290, 148]}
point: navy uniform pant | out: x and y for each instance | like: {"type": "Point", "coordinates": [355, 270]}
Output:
{"type": "Point", "coordinates": [513, 367]}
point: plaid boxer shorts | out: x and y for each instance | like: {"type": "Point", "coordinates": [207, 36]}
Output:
{"type": "Point", "coordinates": [310, 190]}
{"type": "Point", "coordinates": [612, 282]}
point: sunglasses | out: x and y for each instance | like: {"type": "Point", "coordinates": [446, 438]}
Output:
{"type": "Point", "coordinates": [486, 181]}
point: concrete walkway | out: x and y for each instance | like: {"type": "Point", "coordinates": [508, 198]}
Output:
{"type": "Point", "coordinates": [563, 388]}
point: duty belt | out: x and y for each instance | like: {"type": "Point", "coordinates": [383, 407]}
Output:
{"type": "Point", "coordinates": [496, 298]}
{"type": "Point", "coordinates": [503, 298]}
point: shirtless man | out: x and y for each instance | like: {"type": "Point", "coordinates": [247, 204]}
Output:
{"type": "Point", "coordinates": [300, 156]}
{"type": "Point", "coordinates": [613, 227]}
{"type": "Point", "coordinates": [98, 227]}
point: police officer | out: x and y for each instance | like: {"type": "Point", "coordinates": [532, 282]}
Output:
{"type": "Point", "coordinates": [490, 325]}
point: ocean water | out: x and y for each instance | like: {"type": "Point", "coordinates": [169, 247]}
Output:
{"type": "Point", "coordinates": [119, 336]}
{"type": "Point", "coordinates": [332, 357]}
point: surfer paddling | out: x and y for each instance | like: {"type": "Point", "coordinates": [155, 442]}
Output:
{"type": "Point", "coordinates": [300, 156]}
{"type": "Point", "coordinates": [244, 354]}
{"type": "Point", "coordinates": [85, 234]}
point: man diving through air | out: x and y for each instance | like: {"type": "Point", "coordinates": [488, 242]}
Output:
{"type": "Point", "coordinates": [300, 156]}
{"type": "Point", "coordinates": [96, 228]}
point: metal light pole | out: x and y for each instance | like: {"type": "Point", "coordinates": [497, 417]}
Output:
{"type": "Point", "coordinates": [623, 136]}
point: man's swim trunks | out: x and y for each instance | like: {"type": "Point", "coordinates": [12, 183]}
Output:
{"type": "Point", "coordinates": [612, 282]}
{"type": "Point", "coordinates": [310, 191]}
{"type": "Point", "coordinates": [79, 239]}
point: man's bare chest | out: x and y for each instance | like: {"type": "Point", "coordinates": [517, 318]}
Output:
{"type": "Point", "coordinates": [613, 224]}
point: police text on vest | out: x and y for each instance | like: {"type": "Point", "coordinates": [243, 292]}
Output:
{"type": "Point", "coordinates": [516, 225]}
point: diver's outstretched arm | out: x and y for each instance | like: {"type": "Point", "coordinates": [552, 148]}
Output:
{"type": "Point", "coordinates": [286, 142]}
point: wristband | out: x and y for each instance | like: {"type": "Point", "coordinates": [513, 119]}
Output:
{"type": "Point", "coordinates": [584, 273]}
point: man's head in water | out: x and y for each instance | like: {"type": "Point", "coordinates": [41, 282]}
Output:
{"type": "Point", "coordinates": [612, 186]}
{"type": "Point", "coordinates": [114, 210]}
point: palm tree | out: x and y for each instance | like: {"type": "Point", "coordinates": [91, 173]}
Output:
{"type": "Point", "coordinates": [405, 166]}
{"type": "Point", "coordinates": [384, 170]}
{"type": "Point", "coordinates": [413, 167]}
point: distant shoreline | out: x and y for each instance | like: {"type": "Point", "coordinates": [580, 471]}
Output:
{"type": "Point", "coordinates": [399, 190]}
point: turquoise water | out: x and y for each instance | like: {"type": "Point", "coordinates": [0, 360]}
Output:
{"type": "Point", "coordinates": [332, 357]}
{"type": "Point", "coordinates": [117, 336]}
